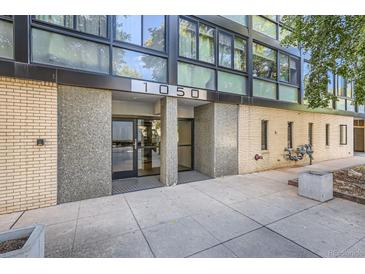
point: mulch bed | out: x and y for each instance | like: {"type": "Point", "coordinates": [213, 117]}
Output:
{"type": "Point", "coordinates": [11, 245]}
{"type": "Point", "coordinates": [346, 185]}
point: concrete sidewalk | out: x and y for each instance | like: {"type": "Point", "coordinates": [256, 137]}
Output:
{"type": "Point", "coordinates": [253, 215]}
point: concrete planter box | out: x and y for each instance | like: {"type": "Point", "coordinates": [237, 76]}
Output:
{"type": "Point", "coordinates": [316, 185]}
{"type": "Point", "coordinates": [33, 247]}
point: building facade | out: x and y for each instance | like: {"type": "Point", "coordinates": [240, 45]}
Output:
{"type": "Point", "coordinates": [85, 100]}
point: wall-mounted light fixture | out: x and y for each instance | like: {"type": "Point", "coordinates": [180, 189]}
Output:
{"type": "Point", "coordinates": [40, 142]}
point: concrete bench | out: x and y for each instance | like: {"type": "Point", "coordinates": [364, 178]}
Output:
{"type": "Point", "coordinates": [316, 185]}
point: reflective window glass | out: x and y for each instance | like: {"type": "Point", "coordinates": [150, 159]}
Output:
{"type": "Point", "coordinates": [93, 24]}
{"type": "Point", "coordinates": [187, 38]}
{"type": "Point", "coordinates": [61, 20]}
{"type": "Point", "coordinates": [284, 67]}
{"type": "Point", "coordinates": [264, 89]}
{"type": "Point", "coordinates": [154, 32]}
{"type": "Point", "coordinates": [289, 94]}
{"type": "Point", "coordinates": [264, 26]}
{"type": "Point", "coordinates": [239, 54]}
{"type": "Point", "coordinates": [139, 65]}
{"type": "Point", "coordinates": [225, 50]}
{"type": "Point", "coordinates": [240, 19]}
{"type": "Point", "coordinates": [128, 28]}
{"type": "Point", "coordinates": [196, 76]}
{"type": "Point", "coordinates": [60, 50]}
{"type": "Point", "coordinates": [233, 83]}
{"type": "Point", "coordinates": [264, 62]}
{"type": "Point", "coordinates": [206, 43]}
{"type": "Point", "coordinates": [6, 40]}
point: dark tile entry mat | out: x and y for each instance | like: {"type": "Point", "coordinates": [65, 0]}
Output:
{"type": "Point", "coordinates": [148, 182]}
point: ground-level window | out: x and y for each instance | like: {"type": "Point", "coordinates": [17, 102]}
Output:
{"type": "Point", "coordinates": [343, 134]}
{"type": "Point", "coordinates": [264, 142]}
{"type": "Point", "coordinates": [290, 134]}
{"type": "Point", "coordinates": [327, 134]}
{"type": "Point", "coordinates": [310, 134]}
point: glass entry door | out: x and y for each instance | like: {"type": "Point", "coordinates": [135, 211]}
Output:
{"type": "Point", "coordinates": [149, 137]}
{"type": "Point", "coordinates": [124, 149]}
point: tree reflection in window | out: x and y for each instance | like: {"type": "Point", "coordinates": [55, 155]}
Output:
{"type": "Point", "coordinates": [225, 50]}
{"type": "Point", "coordinates": [187, 38]}
{"type": "Point", "coordinates": [154, 32]}
{"type": "Point", "coordinates": [206, 43]}
{"type": "Point", "coordinates": [137, 65]}
{"type": "Point", "coordinates": [264, 62]}
{"type": "Point", "coordinates": [6, 39]}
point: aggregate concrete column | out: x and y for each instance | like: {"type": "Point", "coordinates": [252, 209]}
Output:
{"type": "Point", "coordinates": [168, 146]}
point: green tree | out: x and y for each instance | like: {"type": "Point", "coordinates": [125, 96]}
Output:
{"type": "Point", "coordinates": [334, 43]}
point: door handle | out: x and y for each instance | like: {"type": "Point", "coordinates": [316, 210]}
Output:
{"type": "Point", "coordinates": [135, 144]}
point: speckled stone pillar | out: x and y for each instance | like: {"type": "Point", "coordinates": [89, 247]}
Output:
{"type": "Point", "coordinates": [168, 147]}
{"type": "Point", "coordinates": [84, 143]}
{"type": "Point", "coordinates": [216, 139]}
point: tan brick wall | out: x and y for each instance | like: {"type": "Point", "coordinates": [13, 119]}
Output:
{"type": "Point", "coordinates": [250, 137]}
{"type": "Point", "coordinates": [28, 173]}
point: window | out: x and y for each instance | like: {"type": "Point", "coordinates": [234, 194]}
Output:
{"type": "Point", "coordinates": [293, 75]}
{"type": "Point", "coordinates": [6, 40]}
{"type": "Point", "coordinates": [154, 32]}
{"type": "Point", "coordinates": [206, 43]}
{"type": "Point", "coordinates": [264, 26]}
{"type": "Point", "coordinates": [195, 76]}
{"type": "Point", "coordinates": [350, 89]}
{"type": "Point", "coordinates": [341, 90]}
{"type": "Point", "coordinates": [290, 134]}
{"type": "Point", "coordinates": [128, 28]}
{"type": "Point", "coordinates": [264, 62]}
{"type": "Point", "coordinates": [350, 105]}
{"type": "Point", "coordinates": [229, 82]}
{"type": "Point", "coordinates": [225, 50]}
{"type": "Point", "coordinates": [93, 24]}
{"type": "Point", "coordinates": [310, 134]}
{"type": "Point", "coordinates": [60, 50]}
{"type": "Point", "coordinates": [288, 69]}
{"type": "Point", "coordinates": [189, 34]}
{"type": "Point", "coordinates": [264, 135]}
{"type": "Point", "coordinates": [147, 30]}
{"type": "Point", "coordinates": [138, 65]}
{"type": "Point", "coordinates": [240, 19]}
{"type": "Point", "coordinates": [264, 89]}
{"type": "Point", "coordinates": [361, 108]}
{"type": "Point", "coordinates": [330, 86]}
{"type": "Point", "coordinates": [341, 104]}
{"type": "Point", "coordinates": [287, 93]}
{"type": "Point", "coordinates": [327, 134]}
{"type": "Point", "coordinates": [240, 54]}
{"type": "Point", "coordinates": [343, 134]}
{"type": "Point", "coordinates": [60, 20]}
{"type": "Point", "coordinates": [284, 67]}
{"type": "Point", "coordinates": [187, 39]}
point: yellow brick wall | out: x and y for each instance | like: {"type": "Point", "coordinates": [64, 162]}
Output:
{"type": "Point", "coordinates": [28, 173]}
{"type": "Point", "coordinates": [250, 137]}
